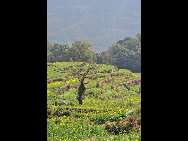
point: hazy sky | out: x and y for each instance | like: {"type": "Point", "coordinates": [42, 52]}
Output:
{"type": "Point", "coordinates": [102, 22]}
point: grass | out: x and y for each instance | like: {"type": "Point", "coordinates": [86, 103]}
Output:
{"type": "Point", "coordinates": [100, 105]}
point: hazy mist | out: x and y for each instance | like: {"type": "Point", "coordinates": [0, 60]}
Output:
{"type": "Point", "coordinates": [102, 22]}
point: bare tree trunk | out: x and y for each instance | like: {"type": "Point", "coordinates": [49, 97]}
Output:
{"type": "Point", "coordinates": [81, 91]}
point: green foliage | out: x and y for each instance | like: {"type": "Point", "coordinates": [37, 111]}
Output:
{"type": "Point", "coordinates": [101, 119]}
{"type": "Point", "coordinates": [70, 97]}
{"type": "Point", "coordinates": [68, 120]}
{"type": "Point", "coordinates": [57, 52]}
{"type": "Point", "coordinates": [125, 54]}
{"type": "Point", "coordinates": [81, 51]}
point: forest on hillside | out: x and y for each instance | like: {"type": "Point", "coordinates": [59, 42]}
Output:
{"type": "Point", "coordinates": [125, 53]}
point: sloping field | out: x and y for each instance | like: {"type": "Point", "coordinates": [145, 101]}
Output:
{"type": "Point", "coordinates": [111, 103]}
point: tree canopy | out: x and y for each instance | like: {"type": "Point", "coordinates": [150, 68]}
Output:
{"type": "Point", "coordinates": [125, 53]}
{"type": "Point", "coordinates": [81, 51]}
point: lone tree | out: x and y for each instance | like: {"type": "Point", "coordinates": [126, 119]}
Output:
{"type": "Point", "coordinates": [82, 88]}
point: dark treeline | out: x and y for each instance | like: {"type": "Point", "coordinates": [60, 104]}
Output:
{"type": "Point", "coordinates": [125, 54]}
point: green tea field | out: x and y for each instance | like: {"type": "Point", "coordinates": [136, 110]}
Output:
{"type": "Point", "coordinates": [110, 108]}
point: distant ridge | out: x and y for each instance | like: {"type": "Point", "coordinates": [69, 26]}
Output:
{"type": "Point", "coordinates": [102, 22]}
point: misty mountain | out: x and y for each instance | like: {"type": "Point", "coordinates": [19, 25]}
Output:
{"type": "Point", "coordinates": [102, 22]}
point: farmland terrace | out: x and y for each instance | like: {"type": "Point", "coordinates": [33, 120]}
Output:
{"type": "Point", "coordinates": [110, 94]}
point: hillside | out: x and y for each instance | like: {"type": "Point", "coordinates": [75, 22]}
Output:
{"type": "Point", "coordinates": [110, 108]}
{"type": "Point", "coordinates": [103, 22]}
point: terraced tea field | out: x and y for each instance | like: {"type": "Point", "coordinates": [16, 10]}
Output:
{"type": "Point", "coordinates": [111, 108]}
